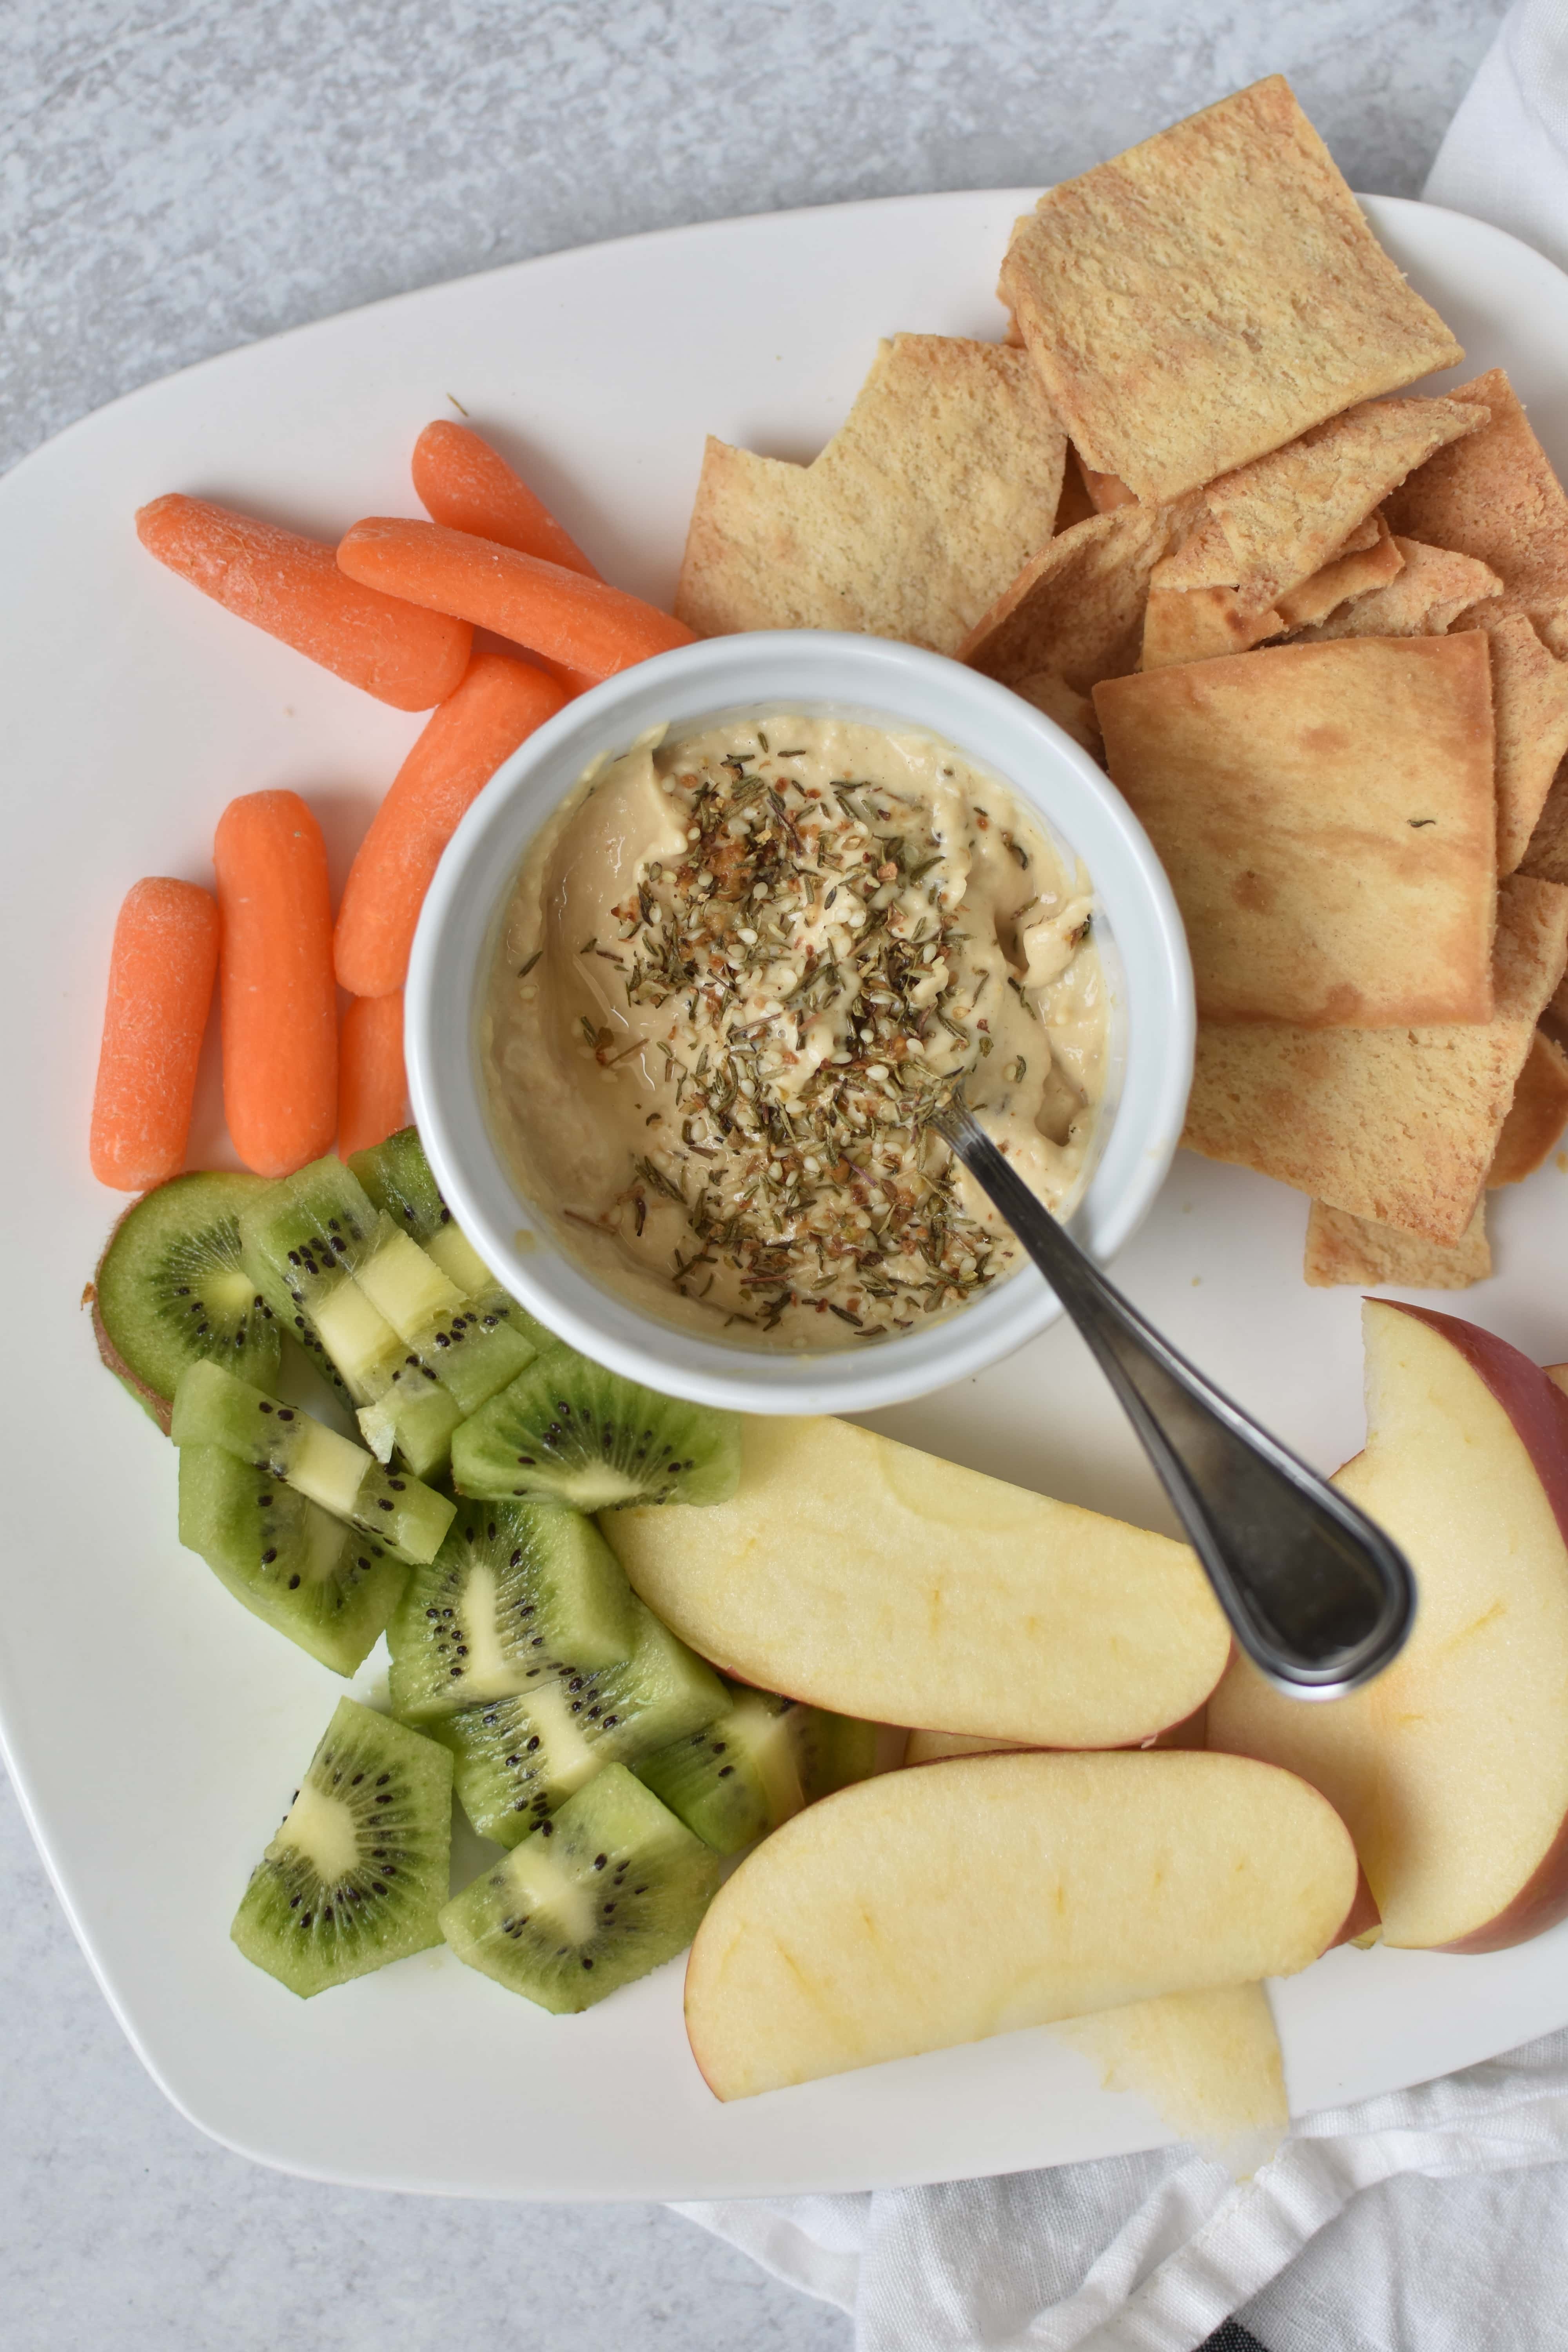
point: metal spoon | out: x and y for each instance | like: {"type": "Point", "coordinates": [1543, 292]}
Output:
{"type": "Point", "coordinates": [1316, 1594]}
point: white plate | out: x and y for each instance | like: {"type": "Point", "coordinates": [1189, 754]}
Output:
{"type": "Point", "coordinates": [155, 1730]}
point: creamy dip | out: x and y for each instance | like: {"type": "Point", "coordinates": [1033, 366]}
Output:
{"type": "Point", "coordinates": [738, 975]}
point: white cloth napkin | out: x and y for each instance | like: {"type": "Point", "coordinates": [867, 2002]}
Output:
{"type": "Point", "coordinates": [1434, 2220]}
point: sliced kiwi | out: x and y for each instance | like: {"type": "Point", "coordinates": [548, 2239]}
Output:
{"type": "Point", "coordinates": [301, 1241]}
{"type": "Point", "coordinates": [738, 1778]}
{"type": "Point", "coordinates": [171, 1290]}
{"type": "Point", "coordinates": [515, 1591]}
{"type": "Point", "coordinates": [358, 1873]}
{"type": "Point", "coordinates": [212, 1408]}
{"type": "Point", "coordinates": [398, 1179]}
{"type": "Point", "coordinates": [518, 1757]}
{"type": "Point", "coordinates": [473, 1346]}
{"type": "Point", "coordinates": [608, 1888]}
{"type": "Point", "coordinates": [327, 1586]}
{"type": "Point", "coordinates": [566, 1431]}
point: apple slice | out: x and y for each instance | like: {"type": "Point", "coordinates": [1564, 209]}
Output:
{"type": "Point", "coordinates": [992, 1892]}
{"type": "Point", "coordinates": [875, 1581]}
{"type": "Point", "coordinates": [1451, 1770]}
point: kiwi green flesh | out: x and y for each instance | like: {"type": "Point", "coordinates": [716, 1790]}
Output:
{"type": "Point", "coordinates": [358, 1873]}
{"type": "Point", "coordinates": [325, 1585]}
{"type": "Point", "coordinates": [413, 1418]}
{"type": "Point", "coordinates": [212, 1408]}
{"type": "Point", "coordinates": [758, 1763]}
{"type": "Point", "coordinates": [312, 1229]}
{"type": "Point", "coordinates": [612, 1886]}
{"type": "Point", "coordinates": [171, 1290]}
{"type": "Point", "coordinates": [518, 1757]}
{"type": "Point", "coordinates": [567, 1431]}
{"type": "Point", "coordinates": [396, 1176]}
{"type": "Point", "coordinates": [477, 1351]}
{"type": "Point", "coordinates": [517, 1591]}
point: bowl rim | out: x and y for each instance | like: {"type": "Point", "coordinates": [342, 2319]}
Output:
{"type": "Point", "coordinates": [891, 683]}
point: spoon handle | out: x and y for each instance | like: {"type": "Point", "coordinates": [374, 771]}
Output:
{"type": "Point", "coordinates": [1316, 1593]}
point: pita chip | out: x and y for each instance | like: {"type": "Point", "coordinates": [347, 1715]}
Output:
{"type": "Point", "coordinates": [1354, 572]}
{"type": "Point", "coordinates": [1529, 703]}
{"type": "Point", "coordinates": [1075, 504]}
{"type": "Point", "coordinates": [1494, 496]}
{"type": "Point", "coordinates": [1211, 294]}
{"type": "Point", "coordinates": [1272, 524]}
{"type": "Point", "coordinates": [1425, 596]}
{"type": "Point", "coordinates": [943, 480]}
{"type": "Point", "coordinates": [1343, 1248]}
{"type": "Point", "coordinates": [1077, 610]}
{"type": "Point", "coordinates": [1105, 490]}
{"type": "Point", "coordinates": [1547, 856]}
{"type": "Point", "coordinates": [1188, 624]}
{"type": "Point", "coordinates": [1536, 1117]}
{"type": "Point", "coordinates": [1326, 816]}
{"type": "Point", "coordinates": [1397, 1125]}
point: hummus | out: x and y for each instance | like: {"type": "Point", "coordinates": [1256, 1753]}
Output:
{"type": "Point", "coordinates": [738, 975]}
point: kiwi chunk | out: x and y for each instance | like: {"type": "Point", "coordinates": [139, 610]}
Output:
{"type": "Point", "coordinates": [738, 1778]}
{"type": "Point", "coordinates": [607, 1889]}
{"type": "Point", "coordinates": [518, 1757]}
{"type": "Point", "coordinates": [358, 1873]}
{"type": "Point", "coordinates": [473, 1346]}
{"type": "Point", "coordinates": [566, 1431]}
{"type": "Point", "coordinates": [398, 1178]}
{"type": "Point", "coordinates": [327, 1586]}
{"type": "Point", "coordinates": [515, 1591]}
{"type": "Point", "coordinates": [172, 1290]}
{"type": "Point", "coordinates": [212, 1408]}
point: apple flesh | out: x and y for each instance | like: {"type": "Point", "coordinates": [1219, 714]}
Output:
{"type": "Point", "coordinates": [1451, 1769]}
{"type": "Point", "coordinates": [987, 1892]}
{"type": "Point", "coordinates": [932, 1747]}
{"type": "Point", "coordinates": [867, 1578]}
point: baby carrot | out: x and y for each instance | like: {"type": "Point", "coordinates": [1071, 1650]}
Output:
{"type": "Point", "coordinates": [161, 974]}
{"type": "Point", "coordinates": [467, 485]}
{"type": "Point", "coordinates": [277, 998]}
{"type": "Point", "coordinates": [373, 1092]}
{"type": "Point", "coordinates": [497, 706]}
{"type": "Point", "coordinates": [541, 606]}
{"type": "Point", "coordinates": [292, 588]}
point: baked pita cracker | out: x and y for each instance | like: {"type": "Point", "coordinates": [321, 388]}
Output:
{"type": "Point", "coordinates": [1343, 1248]}
{"type": "Point", "coordinates": [1433, 587]}
{"type": "Point", "coordinates": [1397, 1125]}
{"type": "Point", "coordinates": [1072, 712]}
{"type": "Point", "coordinates": [1075, 504]}
{"type": "Point", "coordinates": [1529, 703]}
{"type": "Point", "coordinates": [1536, 1117]}
{"type": "Point", "coordinates": [1494, 496]}
{"type": "Point", "coordinates": [1354, 572]}
{"type": "Point", "coordinates": [1547, 856]}
{"type": "Point", "coordinates": [1188, 624]}
{"type": "Point", "coordinates": [943, 480]}
{"type": "Point", "coordinates": [1106, 491]}
{"type": "Point", "coordinates": [1272, 524]}
{"type": "Point", "coordinates": [1211, 294]}
{"type": "Point", "coordinates": [1326, 816]}
{"type": "Point", "coordinates": [1077, 610]}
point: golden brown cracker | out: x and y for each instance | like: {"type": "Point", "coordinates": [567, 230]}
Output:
{"type": "Point", "coordinates": [1496, 498]}
{"type": "Point", "coordinates": [1354, 572]}
{"type": "Point", "coordinates": [1072, 712]}
{"type": "Point", "coordinates": [1188, 624]}
{"type": "Point", "coordinates": [1077, 610]}
{"type": "Point", "coordinates": [1342, 1248]}
{"type": "Point", "coordinates": [943, 479]}
{"type": "Point", "coordinates": [1075, 504]}
{"type": "Point", "coordinates": [1326, 816]}
{"type": "Point", "coordinates": [1397, 1125]}
{"type": "Point", "coordinates": [1104, 491]}
{"type": "Point", "coordinates": [1211, 294]}
{"type": "Point", "coordinates": [1428, 594]}
{"type": "Point", "coordinates": [1536, 1117]}
{"type": "Point", "coordinates": [1529, 701]}
{"type": "Point", "coordinates": [1272, 524]}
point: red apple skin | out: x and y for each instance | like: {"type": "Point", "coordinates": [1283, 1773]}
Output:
{"type": "Point", "coordinates": [1538, 1410]}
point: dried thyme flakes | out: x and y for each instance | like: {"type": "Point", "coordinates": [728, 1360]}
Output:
{"type": "Point", "coordinates": [805, 951]}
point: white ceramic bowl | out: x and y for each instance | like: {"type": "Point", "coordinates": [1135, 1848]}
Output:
{"type": "Point", "coordinates": [1138, 932]}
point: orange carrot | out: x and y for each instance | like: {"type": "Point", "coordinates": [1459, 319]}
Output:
{"type": "Point", "coordinates": [497, 706]}
{"type": "Point", "coordinates": [292, 588]}
{"type": "Point", "coordinates": [278, 1000]}
{"type": "Point", "coordinates": [373, 1092]}
{"type": "Point", "coordinates": [541, 606]}
{"type": "Point", "coordinates": [467, 485]}
{"type": "Point", "coordinates": [161, 973]}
